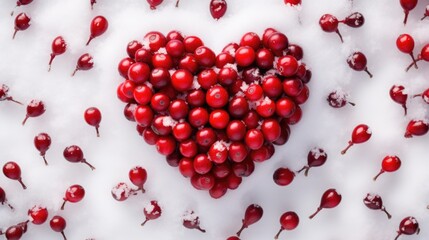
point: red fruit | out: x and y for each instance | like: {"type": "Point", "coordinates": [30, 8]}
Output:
{"type": "Point", "coordinates": [397, 94]}
{"type": "Point", "coordinates": [219, 119]}
{"type": "Point", "coordinates": [285, 107]}
{"type": "Point", "coordinates": [14, 232]}
{"type": "Point", "coordinates": [182, 80]}
{"type": "Point", "coordinates": [295, 51]}
{"type": "Point", "coordinates": [330, 199]}
{"type": "Point", "coordinates": [316, 158]}
{"type": "Point", "coordinates": [293, 87]}
{"type": "Point", "coordinates": [405, 44]}
{"type": "Point", "coordinates": [233, 238]}
{"type": "Point", "coordinates": [266, 108]}
{"type": "Point", "coordinates": [408, 226]}
{"type": "Point", "coordinates": [218, 8]}
{"type": "Point", "coordinates": [132, 48]}
{"type": "Point", "coordinates": [389, 164]}
{"type": "Point", "coordinates": [237, 152]}
{"type": "Point", "coordinates": [288, 221]}
{"type": "Point", "coordinates": [354, 20]}
{"type": "Point", "coordinates": [217, 97]}
{"type": "Point", "coordinates": [292, 2]}
{"type": "Point", "coordinates": [93, 117]}
{"type": "Point", "coordinates": [267, 33]}
{"type": "Point", "coordinates": [22, 22]}
{"type": "Point", "coordinates": [124, 65]}
{"type": "Point", "coordinates": [238, 107]}
{"type": "Point", "coordinates": [98, 26]}
{"type": "Point", "coordinates": [283, 176]}
{"type": "Point", "coordinates": [203, 182]}
{"type": "Point", "coordinates": [3, 199]}
{"type": "Point", "coordinates": [165, 145]}
{"type": "Point", "coordinates": [357, 61]}
{"type": "Point", "coordinates": [152, 211]}
{"type": "Point", "coordinates": [23, 2]}
{"type": "Point", "coordinates": [287, 66]}
{"type": "Point", "coordinates": [416, 128]}
{"type": "Point", "coordinates": [75, 193]}
{"type": "Point", "coordinates": [143, 55]}
{"type": "Point", "coordinates": [155, 40]}
{"type": "Point", "coordinates": [251, 39]}
{"type": "Point", "coordinates": [58, 224]}
{"type": "Point", "coordinates": [38, 215]}
{"type": "Point", "coordinates": [138, 177]}
{"type": "Point", "coordinates": [329, 23]}
{"type": "Point", "coordinates": [175, 48]}
{"type": "Point", "coordinates": [59, 47]}
{"type": "Point", "coordinates": [92, 2]}
{"type": "Point", "coordinates": [277, 42]}
{"type": "Point", "coordinates": [206, 58]}
{"type": "Point", "coordinates": [160, 102]}
{"type": "Point", "coordinates": [121, 192]}
{"type": "Point", "coordinates": [85, 62]}
{"type": "Point", "coordinates": [407, 5]}
{"type": "Point", "coordinates": [218, 190]}
{"type": "Point", "coordinates": [12, 171]}
{"type": "Point", "coordinates": [254, 139]}
{"type": "Point", "coordinates": [271, 130]}
{"type": "Point", "coordinates": [192, 43]}
{"type": "Point", "coordinates": [202, 164]}
{"type": "Point", "coordinates": [34, 109]}
{"type": "Point", "coordinates": [42, 142]}
{"type": "Point", "coordinates": [74, 154]}
{"type": "Point", "coordinates": [143, 115]}
{"type": "Point", "coordinates": [236, 130]}
{"type": "Point", "coordinates": [191, 221]}
{"type": "Point", "coordinates": [424, 95]}
{"type": "Point", "coordinates": [245, 56]}
{"type": "Point", "coordinates": [338, 99]}
{"type": "Point", "coordinates": [361, 133]}
{"type": "Point", "coordinates": [4, 96]}
{"type": "Point", "coordinates": [252, 215]}
{"type": "Point", "coordinates": [154, 3]}
{"type": "Point", "coordinates": [373, 201]}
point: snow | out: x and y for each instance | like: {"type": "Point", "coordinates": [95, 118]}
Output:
{"type": "Point", "coordinates": [24, 69]}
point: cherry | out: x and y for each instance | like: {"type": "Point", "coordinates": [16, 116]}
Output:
{"type": "Point", "coordinates": [287, 66]}
{"type": "Point", "coordinates": [338, 99]}
{"type": "Point", "coordinates": [375, 202]}
{"type": "Point", "coordinates": [424, 95]}
{"type": "Point", "coordinates": [93, 117]}
{"type": "Point", "coordinates": [42, 142]}
{"type": "Point", "coordinates": [233, 238]}
{"type": "Point", "coordinates": [354, 20]}
{"type": "Point", "coordinates": [182, 80]}
{"type": "Point", "coordinates": [416, 128]}
{"type": "Point", "coordinates": [192, 221]}
{"type": "Point", "coordinates": [85, 62]}
{"type": "Point", "coordinates": [407, 5]}
{"type": "Point", "coordinates": [295, 51]}
{"type": "Point", "coordinates": [330, 199]}
{"type": "Point", "coordinates": [154, 3]}
{"type": "Point", "coordinates": [252, 215]}
{"type": "Point", "coordinates": [3, 199]}
{"type": "Point", "coordinates": [23, 2]}
{"type": "Point", "coordinates": [34, 109]}
{"type": "Point", "coordinates": [277, 42]}
{"type": "Point", "coordinates": [138, 177]}
{"type": "Point", "coordinates": [426, 13]}
{"type": "Point", "coordinates": [132, 48]}
{"type": "Point", "coordinates": [329, 23]}
{"type": "Point", "coordinates": [98, 26]}
{"type": "Point", "coordinates": [74, 154]}
{"type": "Point", "coordinates": [59, 46]}
{"type": "Point", "coordinates": [218, 8]}
{"type": "Point", "coordinates": [38, 215]}
{"type": "Point", "coordinates": [389, 164]}
{"type": "Point", "coordinates": [152, 211]}
{"type": "Point", "coordinates": [165, 145]}
{"type": "Point", "coordinates": [75, 193]}
{"type": "Point", "coordinates": [217, 97]}
{"type": "Point", "coordinates": [405, 44]}
{"type": "Point", "coordinates": [288, 221]}
{"type": "Point", "coordinates": [292, 2]}
{"type": "Point", "coordinates": [408, 226]}
{"type": "Point", "coordinates": [424, 55]}
{"type": "Point", "coordinates": [143, 115]}
{"type": "Point", "coordinates": [358, 62]}
{"type": "Point", "coordinates": [283, 176]}
{"type": "Point", "coordinates": [124, 65]}
{"type": "Point", "coordinates": [316, 158]}
{"type": "Point", "coordinates": [58, 224]}
{"type": "Point", "coordinates": [22, 22]}
{"type": "Point", "coordinates": [397, 94]}
{"type": "Point", "coordinates": [14, 232]}
{"type": "Point", "coordinates": [361, 133]}
{"type": "Point", "coordinates": [4, 89]}
{"type": "Point", "coordinates": [121, 192]}
{"type": "Point", "coordinates": [92, 2]}
{"type": "Point", "coordinates": [12, 171]}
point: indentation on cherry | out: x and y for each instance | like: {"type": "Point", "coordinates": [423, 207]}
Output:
{"type": "Point", "coordinates": [389, 164]}
{"type": "Point", "coordinates": [288, 221]}
{"type": "Point", "coordinates": [252, 215]}
{"type": "Point", "coordinates": [191, 221]}
{"type": "Point", "coordinates": [98, 26]}
{"type": "Point", "coordinates": [375, 202]}
{"type": "Point", "coordinates": [408, 226]}
{"type": "Point", "coordinates": [12, 171]}
{"type": "Point", "coordinates": [84, 63]}
{"type": "Point", "coordinates": [316, 157]}
{"type": "Point", "coordinates": [358, 62]}
{"type": "Point", "coordinates": [58, 224]}
{"type": "Point", "coordinates": [74, 154]}
{"type": "Point", "coordinates": [22, 22]}
{"type": "Point", "coordinates": [92, 116]}
{"type": "Point", "coordinates": [4, 94]}
{"type": "Point", "coordinates": [361, 133]}
{"type": "Point", "coordinates": [330, 199]}
{"type": "Point", "coordinates": [42, 142]}
{"type": "Point", "coordinates": [152, 211]}
{"type": "Point", "coordinates": [58, 46]}
{"type": "Point", "coordinates": [75, 193]}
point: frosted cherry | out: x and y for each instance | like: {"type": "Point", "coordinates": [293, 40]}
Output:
{"type": "Point", "coordinates": [375, 202]}
{"type": "Point", "coordinates": [408, 226]}
{"type": "Point", "coordinates": [192, 221]}
{"type": "Point", "coordinates": [4, 96]}
{"type": "Point", "coordinates": [34, 109]}
{"type": "Point", "coordinates": [152, 211]}
{"type": "Point", "coordinates": [218, 8]}
{"type": "Point", "coordinates": [316, 157]}
{"type": "Point", "coordinates": [397, 95]}
{"type": "Point", "coordinates": [42, 142]}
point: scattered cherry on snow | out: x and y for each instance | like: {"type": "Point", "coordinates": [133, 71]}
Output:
{"type": "Point", "coordinates": [424, 95]}
{"type": "Point", "coordinates": [121, 192]}
{"type": "Point", "coordinates": [361, 133]}
{"type": "Point", "coordinates": [338, 99]}
{"type": "Point", "coordinates": [288, 221]}
{"type": "Point", "coordinates": [375, 202]}
{"type": "Point", "coordinates": [42, 142]}
{"type": "Point", "coordinates": [316, 157]}
{"type": "Point", "coordinates": [74, 154]}
{"type": "Point", "coordinates": [22, 22]}
{"type": "Point", "coordinates": [407, 5]}
{"type": "Point", "coordinates": [329, 23]}
{"type": "Point", "coordinates": [37, 215]}
{"type": "Point", "coordinates": [138, 176]}
{"type": "Point", "coordinates": [358, 62]}
{"type": "Point", "coordinates": [330, 199]}
{"type": "Point", "coordinates": [398, 95]}
{"type": "Point", "coordinates": [292, 2]}
{"type": "Point", "coordinates": [98, 26]}
{"type": "Point", "coordinates": [75, 193]}
{"type": "Point", "coordinates": [155, 3]}
{"type": "Point", "coordinates": [4, 96]}
{"type": "Point", "coordinates": [152, 211]}
{"type": "Point", "coordinates": [58, 224]}
{"type": "Point", "coordinates": [424, 55]}
{"type": "Point", "coordinates": [283, 176]}
{"type": "Point", "coordinates": [416, 128]}
{"type": "Point", "coordinates": [3, 199]}
{"type": "Point", "coordinates": [14, 232]}
{"type": "Point", "coordinates": [408, 226]}
{"type": "Point", "coordinates": [93, 117]}
{"type": "Point", "coordinates": [252, 215]}
{"type": "Point", "coordinates": [59, 46]}
{"type": "Point", "coordinates": [405, 43]}
{"type": "Point", "coordinates": [191, 221]}
{"type": "Point", "coordinates": [85, 62]}
{"type": "Point", "coordinates": [34, 109]}
{"type": "Point", "coordinates": [389, 164]}
{"type": "Point", "coordinates": [12, 171]}
{"type": "Point", "coordinates": [218, 8]}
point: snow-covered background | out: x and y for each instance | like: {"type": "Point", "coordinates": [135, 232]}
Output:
{"type": "Point", "coordinates": [23, 66]}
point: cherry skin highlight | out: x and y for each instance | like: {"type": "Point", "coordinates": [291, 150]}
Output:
{"type": "Point", "coordinates": [389, 164]}
{"type": "Point", "coordinates": [361, 133]}
{"type": "Point", "coordinates": [330, 199]}
{"type": "Point", "coordinates": [74, 154]}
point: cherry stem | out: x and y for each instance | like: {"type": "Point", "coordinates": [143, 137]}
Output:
{"type": "Point", "coordinates": [414, 60]}
{"type": "Point", "coordinates": [315, 213]}
{"type": "Point", "coordinates": [241, 229]}
{"type": "Point", "coordinates": [200, 229]}
{"type": "Point", "coordinates": [50, 61]}
{"type": "Point", "coordinates": [378, 175]}
{"type": "Point", "coordinates": [351, 103]}
{"type": "Point", "coordinates": [89, 40]}
{"type": "Point", "coordinates": [405, 109]}
{"type": "Point", "coordinates": [145, 221]}
{"type": "Point", "coordinates": [64, 204]}
{"type": "Point", "coordinates": [347, 148]}
{"type": "Point", "coordinates": [10, 206]}
{"type": "Point", "coordinates": [87, 163]}
{"type": "Point", "coordinates": [177, 3]}
{"type": "Point", "coordinates": [44, 159]}
{"type": "Point", "coordinates": [412, 64]}
{"type": "Point", "coordinates": [142, 189]}
{"type": "Point", "coordinates": [339, 34]}
{"type": "Point", "coordinates": [64, 236]}
{"type": "Point", "coordinates": [406, 16]}
{"type": "Point", "coordinates": [22, 183]}
{"type": "Point", "coordinates": [397, 236]}
{"type": "Point", "coordinates": [387, 213]}
{"type": "Point", "coordinates": [13, 100]}
{"type": "Point", "coordinates": [306, 168]}
{"type": "Point", "coordinates": [423, 17]}
{"type": "Point", "coordinates": [74, 72]}
{"type": "Point", "coordinates": [367, 71]}
{"type": "Point", "coordinates": [278, 234]}
{"type": "Point", "coordinates": [25, 120]}
{"type": "Point", "coordinates": [14, 34]}
{"type": "Point", "coordinates": [96, 129]}
{"type": "Point", "coordinates": [417, 95]}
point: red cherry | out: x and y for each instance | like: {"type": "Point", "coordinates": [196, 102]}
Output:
{"type": "Point", "coordinates": [285, 107]}
{"type": "Point", "coordinates": [14, 232]}
{"type": "Point", "coordinates": [408, 226]}
{"type": "Point", "coordinates": [338, 99]}
{"type": "Point", "coordinates": [38, 215]}
{"type": "Point", "coordinates": [155, 40]}
{"type": "Point", "coordinates": [93, 117]}
{"type": "Point", "coordinates": [202, 164]}
{"type": "Point", "coordinates": [98, 26]}
{"type": "Point", "coordinates": [138, 177]}
{"type": "Point", "coordinates": [293, 87]}
{"type": "Point", "coordinates": [121, 192]}
{"type": "Point", "coordinates": [175, 48]}
{"type": "Point", "coordinates": [288, 221]}
{"type": "Point", "coordinates": [4, 96]}
{"type": "Point", "coordinates": [142, 94]}
{"type": "Point", "coordinates": [405, 44]}
{"type": "Point", "coordinates": [407, 5]}
{"type": "Point", "coordinates": [23, 2]}
{"type": "Point", "coordinates": [254, 92]}
{"type": "Point", "coordinates": [124, 65]}
{"type": "Point", "coordinates": [252, 215]}
{"type": "Point", "coordinates": [188, 148]}
{"type": "Point", "coordinates": [361, 133]}
{"type": "Point", "coordinates": [329, 23]}
{"type": "Point", "coordinates": [152, 211]}
{"type": "Point", "coordinates": [287, 66]}
{"type": "Point", "coordinates": [34, 109]}
{"type": "Point", "coordinates": [191, 221]}
{"type": "Point", "coordinates": [12, 171]}
{"type": "Point", "coordinates": [271, 129]}
{"type": "Point", "coordinates": [143, 55]}
{"type": "Point", "coordinates": [132, 48]}
{"type": "Point", "coordinates": [295, 51]}
{"type": "Point", "coordinates": [192, 43]}
{"type": "Point", "coordinates": [233, 238]}
{"type": "Point", "coordinates": [354, 20]}
{"type": "Point", "coordinates": [154, 3]}
{"type": "Point", "coordinates": [283, 176]}
{"type": "Point", "coordinates": [358, 62]}
{"type": "Point", "coordinates": [22, 22]}
{"type": "Point", "coordinates": [236, 130]}
{"type": "Point", "coordinates": [277, 42]}
{"type": "Point", "coordinates": [205, 57]}
{"type": "Point", "coordinates": [74, 154]}
{"type": "Point", "coordinates": [218, 8]}
{"type": "Point", "coordinates": [389, 164]}
{"type": "Point", "coordinates": [251, 39]}
{"type": "Point", "coordinates": [59, 47]}
{"type": "Point", "coordinates": [397, 94]}
{"type": "Point", "coordinates": [373, 201]}
{"type": "Point", "coordinates": [58, 224]}
{"type": "Point", "coordinates": [42, 142]}
{"type": "Point", "coordinates": [254, 139]}
{"type": "Point", "coordinates": [160, 102]}
{"type": "Point", "coordinates": [150, 136]}
{"type": "Point", "coordinates": [3, 199]}
{"type": "Point", "coordinates": [330, 199]}
{"type": "Point", "coordinates": [245, 56]}
{"type": "Point", "coordinates": [186, 167]}
{"type": "Point", "coordinates": [416, 128]}
{"type": "Point", "coordinates": [143, 115]}
{"type": "Point", "coordinates": [218, 152]}
{"type": "Point", "coordinates": [267, 33]}
{"type": "Point", "coordinates": [316, 158]}
{"type": "Point", "coordinates": [266, 108]}
{"type": "Point", "coordinates": [217, 97]}
{"type": "Point", "coordinates": [75, 193]}
{"type": "Point", "coordinates": [292, 2]}
{"type": "Point", "coordinates": [165, 145]}
{"type": "Point", "coordinates": [182, 80]}
{"type": "Point", "coordinates": [85, 62]}
{"type": "Point", "coordinates": [237, 152]}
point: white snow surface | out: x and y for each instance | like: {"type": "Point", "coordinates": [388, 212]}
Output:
{"type": "Point", "coordinates": [24, 64]}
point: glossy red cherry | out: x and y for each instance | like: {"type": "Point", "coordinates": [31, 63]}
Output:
{"type": "Point", "coordinates": [405, 44]}
{"type": "Point", "coordinates": [182, 80]}
{"type": "Point", "coordinates": [14, 232]}
{"type": "Point", "coordinates": [358, 62]}
{"type": "Point", "coordinates": [217, 97]}
{"type": "Point", "coordinates": [252, 215]}
{"type": "Point", "coordinates": [59, 46]}
{"type": "Point", "coordinates": [330, 199]}
{"type": "Point", "coordinates": [165, 145]}
{"type": "Point", "coordinates": [84, 63]}
{"type": "Point", "coordinates": [416, 128]}
{"type": "Point", "coordinates": [98, 26]}
{"type": "Point", "coordinates": [12, 171]}
{"type": "Point", "coordinates": [58, 224]}
{"type": "Point", "coordinates": [34, 109]}
{"type": "Point", "coordinates": [154, 3]}
{"type": "Point", "coordinates": [4, 96]}
{"type": "Point", "coordinates": [22, 22]}
{"type": "Point", "coordinates": [398, 95]}
{"type": "Point", "coordinates": [389, 164]}
{"type": "Point", "coordinates": [316, 157]}
{"type": "Point", "coordinates": [287, 66]}
{"type": "Point", "coordinates": [424, 55]}
{"type": "Point", "coordinates": [245, 56]}
{"type": "Point", "coordinates": [75, 193]}
{"type": "Point", "coordinates": [329, 23]}
{"type": "Point", "coordinates": [3, 199]}
{"type": "Point", "coordinates": [338, 99]}
{"type": "Point", "coordinates": [218, 8]}
{"type": "Point", "coordinates": [408, 226]}
{"type": "Point", "coordinates": [292, 2]}
{"type": "Point", "coordinates": [138, 177]}
{"type": "Point", "coordinates": [93, 117]}
{"type": "Point", "coordinates": [42, 142]}
{"type": "Point", "coordinates": [74, 154]}
{"type": "Point", "coordinates": [354, 20]}
{"type": "Point", "coordinates": [152, 211]}
{"type": "Point", "coordinates": [191, 221]}
{"type": "Point", "coordinates": [407, 5]}
{"type": "Point", "coordinates": [38, 215]}
{"type": "Point", "coordinates": [361, 133]}
{"type": "Point", "coordinates": [288, 221]}
{"type": "Point", "coordinates": [375, 202]}
{"type": "Point", "coordinates": [283, 176]}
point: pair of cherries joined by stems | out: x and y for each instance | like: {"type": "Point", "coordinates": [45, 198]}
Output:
{"type": "Point", "coordinates": [405, 43]}
{"type": "Point", "coordinates": [329, 23]}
